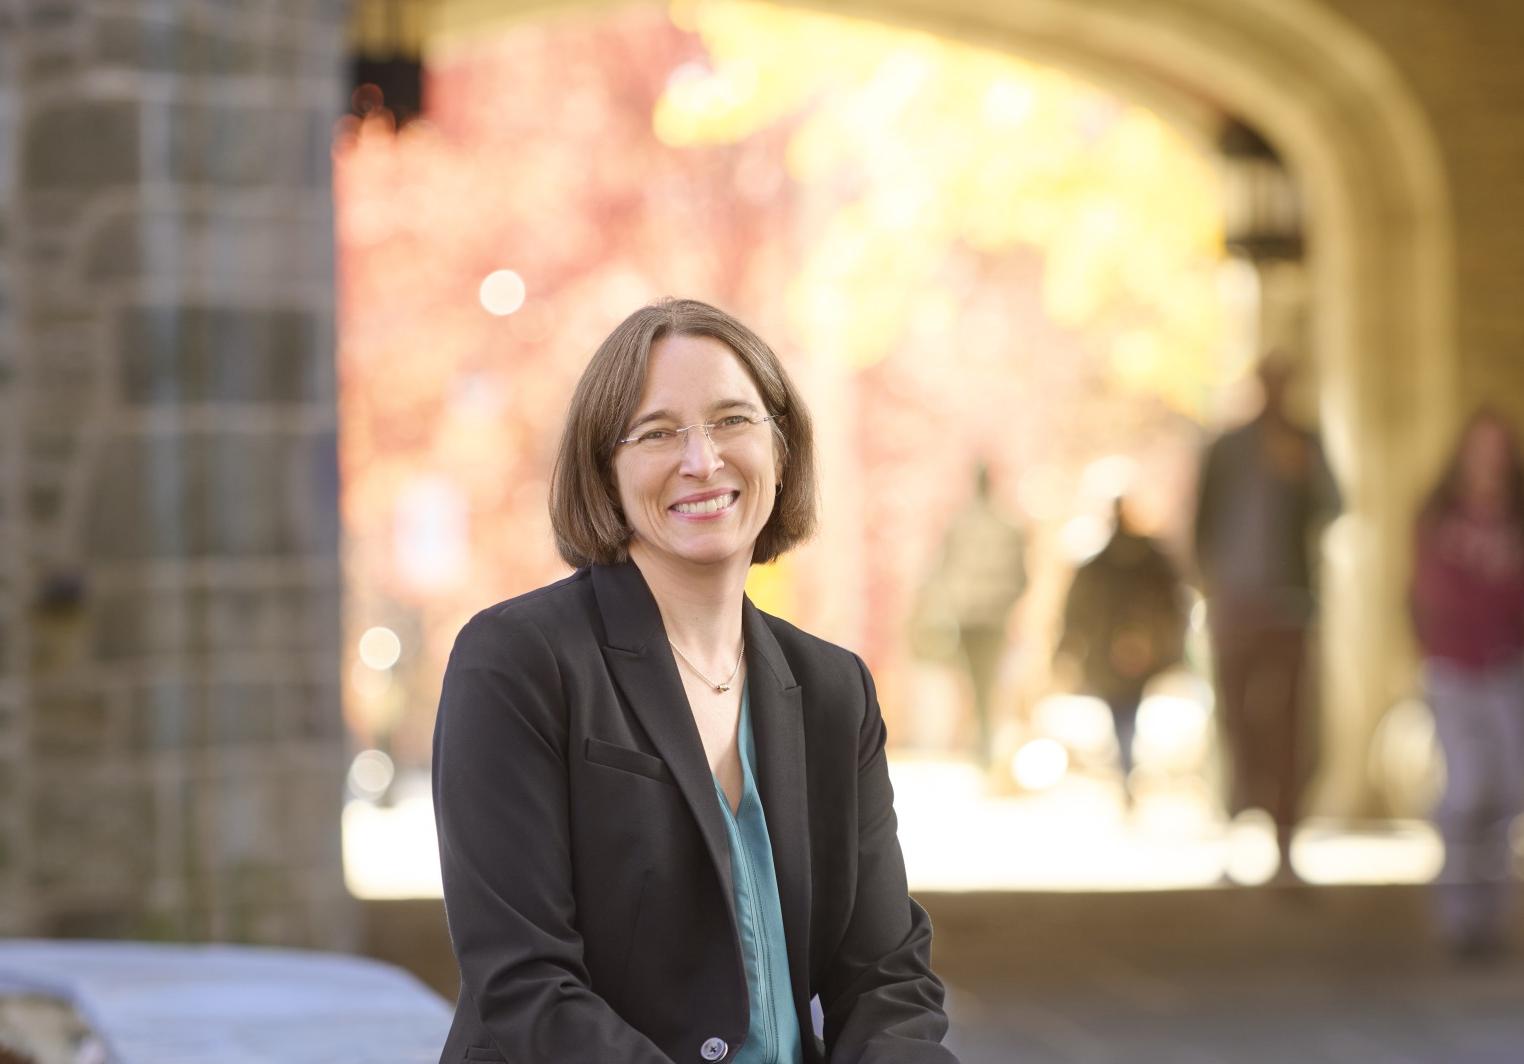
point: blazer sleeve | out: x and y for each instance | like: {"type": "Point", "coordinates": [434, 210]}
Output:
{"type": "Point", "coordinates": [882, 1004]}
{"type": "Point", "coordinates": [500, 803]}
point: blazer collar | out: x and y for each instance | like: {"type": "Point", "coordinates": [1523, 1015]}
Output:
{"type": "Point", "coordinates": [635, 649]}
{"type": "Point", "coordinates": [777, 721]}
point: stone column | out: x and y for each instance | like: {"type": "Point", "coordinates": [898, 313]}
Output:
{"type": "Point", "coordinates": [13, 733]}
{"type": "Point", "coordinates": [170, 281]}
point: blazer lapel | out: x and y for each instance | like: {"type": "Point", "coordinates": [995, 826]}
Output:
{"type": "Point", "coordinates": [777, 721]}
{"type": "Point", "coordinates": [635, 649]}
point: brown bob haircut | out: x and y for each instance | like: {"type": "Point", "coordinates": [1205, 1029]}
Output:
{"type": "Point", "coordinates": [589, 525]}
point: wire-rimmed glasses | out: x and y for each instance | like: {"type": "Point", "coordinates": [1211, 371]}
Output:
{"type": "Point", "coordinates": [662, 440]}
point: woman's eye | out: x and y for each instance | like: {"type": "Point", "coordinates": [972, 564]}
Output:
{"type": "Point", "coordinates": [655, 435]}
{"type": "Point", "coordinates": [734, 421]}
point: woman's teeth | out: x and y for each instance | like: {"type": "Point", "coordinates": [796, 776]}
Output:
{"type": "Point", "coordinates": [708, 506]}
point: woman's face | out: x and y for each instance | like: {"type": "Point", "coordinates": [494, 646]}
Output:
{"type": "Point", "coordinates": [698, 503]}
{"type": "Point", "coordinates": [1484, 476]}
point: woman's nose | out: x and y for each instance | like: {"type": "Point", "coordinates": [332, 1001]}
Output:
{"type": "Point", "coordinates": [700, 456]}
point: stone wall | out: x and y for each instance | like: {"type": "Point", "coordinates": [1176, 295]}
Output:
{"type": "Point", "coordinates": [13, 737]}
{"type": "Point", "coordinates": [176, 512]}
{"type": "Point", "coordinates": [1462, 61]}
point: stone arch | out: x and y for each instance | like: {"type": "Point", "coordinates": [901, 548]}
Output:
{"type": "Point", "coordinates": [1380, 257]}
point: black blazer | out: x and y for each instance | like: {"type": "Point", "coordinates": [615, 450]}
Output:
{"type": "Point", "coordinates": [586, 865]}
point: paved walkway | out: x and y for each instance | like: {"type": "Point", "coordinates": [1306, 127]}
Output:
{"type": "Point", "coordinates": [1223, 976]}
{"type": "Point", "coordinates": [1236, 976]}
{"type": "Point", "coordinates": [1218, 976]}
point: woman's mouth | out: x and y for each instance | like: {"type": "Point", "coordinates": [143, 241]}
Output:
{"type": "Point", "coordinates": [703, 507]}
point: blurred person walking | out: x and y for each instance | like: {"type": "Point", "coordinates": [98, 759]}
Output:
{"type": "Point", "coordinates": [978, 579]}
{"type": "Point", "coordinates": [1124, 623]}
{"type": "Point", "coordinates": [1468, 615]}
{"type": "Point", "coordinates": [1264, 497]}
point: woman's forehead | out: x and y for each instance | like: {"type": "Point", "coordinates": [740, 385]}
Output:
{"type": "Point", "coordinates": [695, 372]}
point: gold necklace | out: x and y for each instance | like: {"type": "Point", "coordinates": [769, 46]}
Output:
{"type": "Point", "coordinates": [719, 688]}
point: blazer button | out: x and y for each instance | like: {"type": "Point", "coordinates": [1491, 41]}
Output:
{"type": "Point", "coordinates": [714, 1049]}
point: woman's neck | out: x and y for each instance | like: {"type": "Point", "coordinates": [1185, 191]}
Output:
{"type": "Point", "coordinates": [700, 605]}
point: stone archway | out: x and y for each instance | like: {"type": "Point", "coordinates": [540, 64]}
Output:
{"type": "Point", "coordinates": [1380, 259]}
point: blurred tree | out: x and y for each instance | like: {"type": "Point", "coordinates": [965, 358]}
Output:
{"type": "Point", "coordinates": [961, 256]}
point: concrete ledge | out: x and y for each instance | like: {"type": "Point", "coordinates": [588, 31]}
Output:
{"type": "Point", "coordinates": [172, 1004]}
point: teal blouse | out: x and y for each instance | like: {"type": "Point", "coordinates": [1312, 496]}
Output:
{"type": "Point", "coordinates": [773, 1037]}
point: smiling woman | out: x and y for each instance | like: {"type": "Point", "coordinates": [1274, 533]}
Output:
{"type": "Point", "coordinates": [665, 819]}
{"type": "Point", "coordinates": [634, 385]}
{"type": "Point", "coordinates": [685, 500]}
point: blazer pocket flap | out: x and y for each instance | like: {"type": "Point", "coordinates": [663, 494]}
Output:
{"type": "Point", "coordinates": [483, 1053]}
{"type": "Point", "coordinates": [626, 760]}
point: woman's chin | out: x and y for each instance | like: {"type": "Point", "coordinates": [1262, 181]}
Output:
{"type": "Point", "coordinates": [709, 550]}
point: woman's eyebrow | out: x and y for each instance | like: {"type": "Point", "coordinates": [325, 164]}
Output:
{"type": "Point", "coordinates": [726, 404]}
{"type": "Point", "coordinates": [667, 415]}
{"type": "Point", "coordinates": [655, 415]}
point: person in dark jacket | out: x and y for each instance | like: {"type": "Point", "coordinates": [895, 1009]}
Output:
{"type": "Point", "coordinates": [1468, 614]}
{"type": "Point", "coordinates": [1265, 496]}
{"type": "Point", "coordinates": [665, 819]}
{"type": "Point", "coordinates": [1124, 623]}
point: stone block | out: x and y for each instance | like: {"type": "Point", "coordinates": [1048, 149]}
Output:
{"type": "Point", "coordinates": [236, 146]}
{"type": "Point", "coordinates": [117, 249]}
{"type": "Point", "coordinates": [166, 715]}
{"type": "Point", "coordinates": [319, 150]}
{"type": "Point", "coordinates": [63, 379]}
{"type": "Point", "coordinates": [147, 497]}
{"type": "Point", "coordinates": [300, 619]}
{"type": "Point", "coordinates": [243, 713]}
{"type": "Point", "coordinates": [44, 499]}
{"type": "Point", "coordinates": [312, 492]}
{"type": "Point", "coordinates": [272, 494]}
{"type": "Point", "coordinates": [70, 721]}
{"type": "Point", "coordinates": [166, 46]}
{"type": "Point", "coordinates": [314, 804]}
{"type": "Point", "coordinates": [313, 712]}
{"type": "Point", "coordinates": [90, 827]}
{"type": "Point", "coordinates": [230, 619]}
{"type": "Point", "coordinates": [49, 15]}
{"type": "Point", "coordinates": [82, 144]}
{"type": "Point", "coordinates": [222, 354]}
{"type": "Point", "coordinates": [135, 622]}
{"type": "Point", "coordinates": [313, 615]}
{"type": "Point", "coordinates": [58, 629]}
{"type": "Point", "coordinates": [245, 513]}
{"type": "Point", "coordinates": [286, 249]}
{"type": "Point", "coordinates": [101, 919]}
{"type": "Point", "coordinates": [51, 445]}
{"type": "Point", "coordinates": [240, 812]}
{"type": "Point", "coordinates": [255, 493]}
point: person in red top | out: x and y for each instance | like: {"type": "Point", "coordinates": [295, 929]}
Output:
{"type": "Point", "coordinates": [1468, 614]}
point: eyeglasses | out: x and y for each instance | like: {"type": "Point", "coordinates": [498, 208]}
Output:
{"type": "Point", "coordinates": [727, 429]}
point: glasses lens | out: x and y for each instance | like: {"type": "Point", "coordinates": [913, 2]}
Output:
{"type": "Point", "coordinates": [730, 428]}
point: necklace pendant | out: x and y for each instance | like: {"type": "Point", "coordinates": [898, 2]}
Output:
{"type": "Point", "coordinates": [721, 688]}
